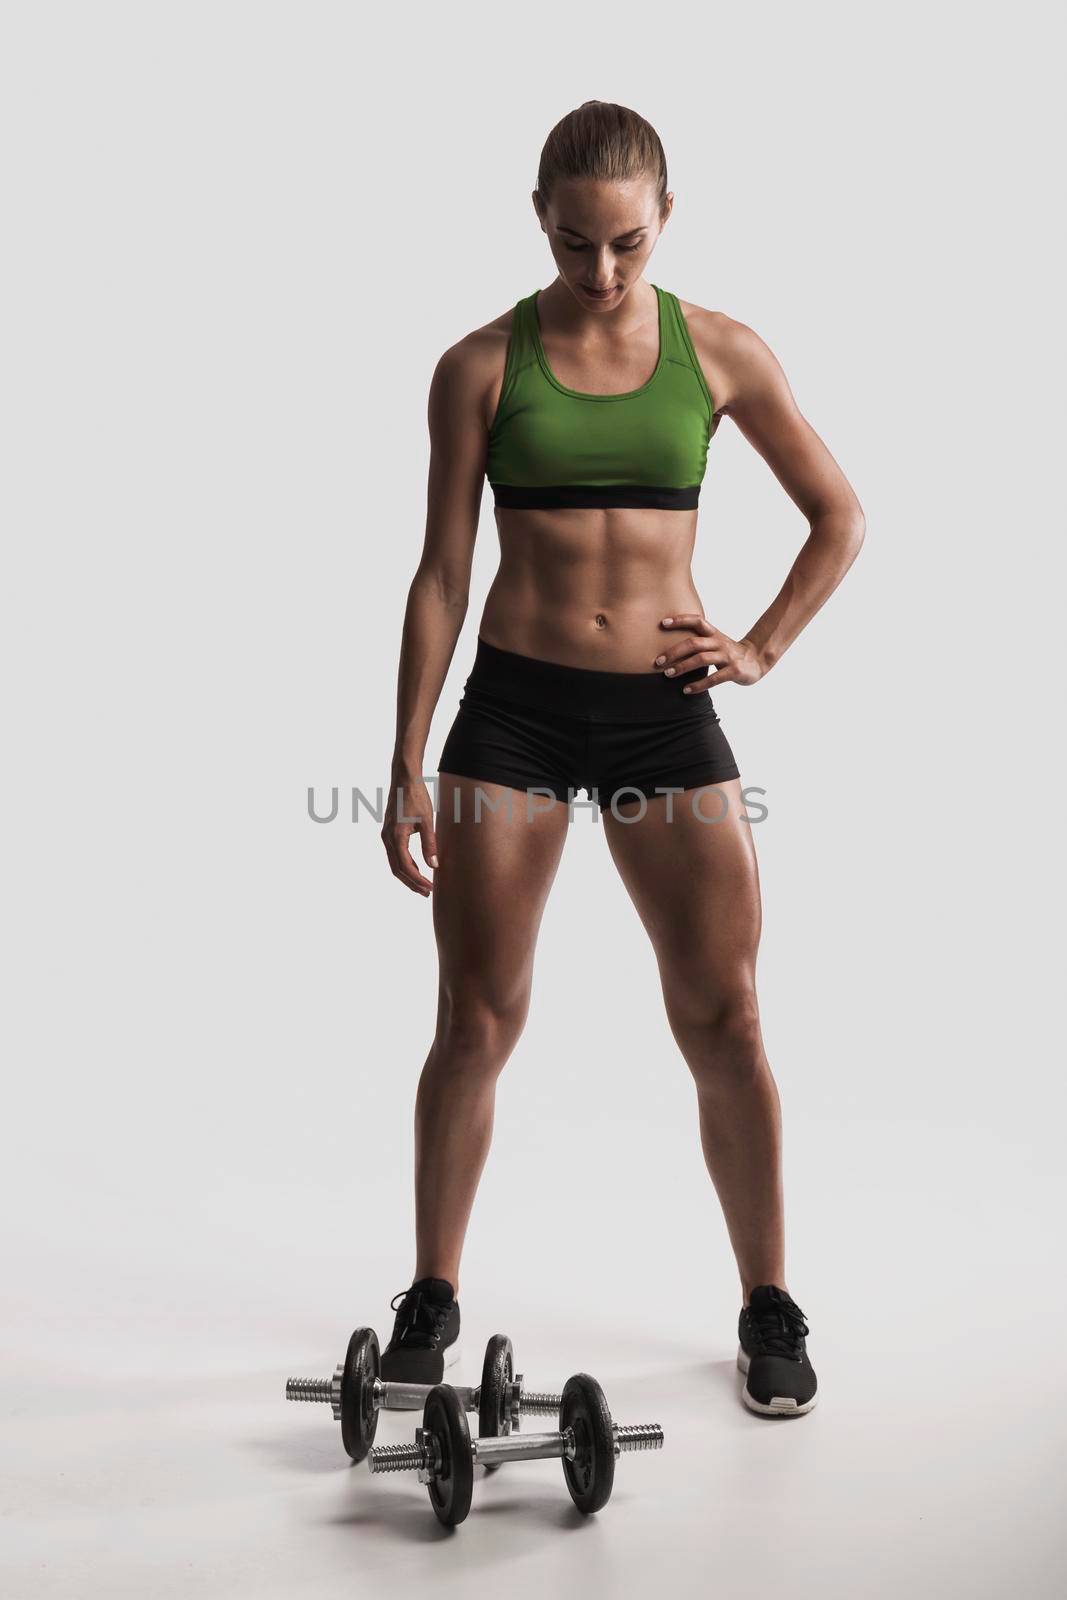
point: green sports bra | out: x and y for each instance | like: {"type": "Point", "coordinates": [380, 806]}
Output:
{"type": "Point", "coordinates": [554, 446]}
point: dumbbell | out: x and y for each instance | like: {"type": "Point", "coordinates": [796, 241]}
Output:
{"type": "Point", "coordinates": [357, 1393]}
{"type": "Point", "coordinates": [444, 1454]}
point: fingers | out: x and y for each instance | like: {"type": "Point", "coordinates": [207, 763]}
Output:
{"type": "Point", "coordinates": [705, 638]}
{"type": "Point", "coordinates": [688, 654]}
{"type": "Point", "coordinates": [677, 665]}
{"type": "Point", "coordinates": [401, 862]}
{"type": "Point", "coordinates": [688, 619]}
{"type": "Point", "coordinates": [412, 813]}
{"type": "Point", "coordinates": [429, 842]}
{"type": "Point", "coordinates": [727, 675]}
{"type": "Point", "coordinates": [706, 647]}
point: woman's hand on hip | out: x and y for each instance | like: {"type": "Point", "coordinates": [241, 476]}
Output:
{"type": "Point", "coordinates": [409, 811]}
{"type": "Point", "coordinates": [734, 660]}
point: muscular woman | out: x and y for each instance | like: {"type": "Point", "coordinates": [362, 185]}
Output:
{"type": "Point", "coordinates": [590, 407]}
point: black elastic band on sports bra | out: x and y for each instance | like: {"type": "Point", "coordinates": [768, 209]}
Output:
{"type": "Point", "coordinates": [510, 494]}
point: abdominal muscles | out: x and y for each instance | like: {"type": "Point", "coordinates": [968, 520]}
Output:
{"type": "Point", "coordinates": [587, 588]}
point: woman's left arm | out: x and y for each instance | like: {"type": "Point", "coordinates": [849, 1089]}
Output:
{"type": "Point", "coordinates": [758, 398]}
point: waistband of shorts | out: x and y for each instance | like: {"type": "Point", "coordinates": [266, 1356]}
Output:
{"type": "Point", "coordinates": [583, 692]}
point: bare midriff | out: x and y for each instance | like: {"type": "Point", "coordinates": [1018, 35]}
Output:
{"type": "Point", "coordinates": [588, 588]}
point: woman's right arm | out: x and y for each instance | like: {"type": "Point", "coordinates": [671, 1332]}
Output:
{"type": "Point", "coordinates": [438, 595]}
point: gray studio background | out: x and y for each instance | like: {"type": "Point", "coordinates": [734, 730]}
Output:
{"type": "Point", "coordinates": [239, 238]}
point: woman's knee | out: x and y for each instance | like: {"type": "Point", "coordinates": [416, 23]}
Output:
{"type": "Point", "coordinates": [479, 1027]}
{"type": "Point", "coordinates": [720, 1036]}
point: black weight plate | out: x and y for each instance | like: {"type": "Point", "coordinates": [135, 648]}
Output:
{"type": "Point", "coordinates": [444, 1418]}
{"type": "Point", "coordinates": [359, 1415]}
{"type": "Point", "coordinates": [498, 1374]}
{"type": "Point", "coordinates": [591, 1475]}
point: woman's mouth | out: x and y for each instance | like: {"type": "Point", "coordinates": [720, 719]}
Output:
{"type": "Point", "coordinates": [598, 294]}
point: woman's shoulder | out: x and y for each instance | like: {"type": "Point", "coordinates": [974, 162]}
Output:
{"type": "Point", "coordinates": [478, 353]}
{"type": "Point", "coordinates": [726, 348]}
{"type": "Point", "coordinates": [484, 344]}
{"type": "Point", "coordinates": [714, 328]}
{"type": "Point", "coordinates": [474, 365]}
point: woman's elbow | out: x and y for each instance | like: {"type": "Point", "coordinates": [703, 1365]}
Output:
{"type": "Point", "coordinates": [448, 588]}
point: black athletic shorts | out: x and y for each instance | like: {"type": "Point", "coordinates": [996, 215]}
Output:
{"type": "Point", "coordinates": [533, 724]}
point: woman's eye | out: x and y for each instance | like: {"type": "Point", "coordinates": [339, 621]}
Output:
{"type": "Point", "coordinates": [622, 248]}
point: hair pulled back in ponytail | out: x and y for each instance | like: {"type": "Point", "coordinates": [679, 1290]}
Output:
{"type": "Point", "coordinates": [606, 142]}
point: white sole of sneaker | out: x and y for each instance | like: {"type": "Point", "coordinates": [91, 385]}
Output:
{"type": "Point", "coordinates": [781, 1405]}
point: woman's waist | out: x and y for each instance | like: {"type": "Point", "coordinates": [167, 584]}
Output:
{"type": "Point", "coordinates": [593, 693]}
{"type": "Point", "coordinates": [601, 632]}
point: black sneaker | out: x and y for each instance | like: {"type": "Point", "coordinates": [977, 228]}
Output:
{"type": "Point", "coordinates": [780, 1379]}
{"type": "Point", "coordinates": [425, 1333]}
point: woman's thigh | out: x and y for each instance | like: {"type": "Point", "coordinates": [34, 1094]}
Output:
{"type": "Point", "coordinates": [498, 858]}
{"type": "Point", "coordinates": [695, 885]}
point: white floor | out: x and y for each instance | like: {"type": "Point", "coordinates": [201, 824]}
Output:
{"type": "Point", "coordinates": [149, 1450]}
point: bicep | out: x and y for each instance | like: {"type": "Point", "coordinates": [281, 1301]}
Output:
{"type": "Point", "coordinates": [458, 443]}
{"type": "Point", "coordinates": [762, 405]}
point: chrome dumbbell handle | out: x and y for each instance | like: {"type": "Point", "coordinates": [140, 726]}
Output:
{"type": "Point", "coordinates": [525, 1447]}
{"type": "Point", "coordinates": [411, 1396]}
{"type": "Point", "coordinates": [420, 1456]}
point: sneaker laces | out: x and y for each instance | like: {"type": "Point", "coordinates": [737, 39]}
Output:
{"type": "Point", "coordinates": [780, 1328]}
{"type": "Point", "coordinates": [420, 1321]}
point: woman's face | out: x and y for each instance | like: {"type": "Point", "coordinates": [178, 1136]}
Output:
{"type": "Point", "coordinates": [601, 235]}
